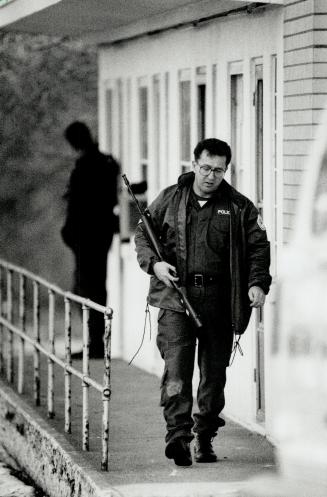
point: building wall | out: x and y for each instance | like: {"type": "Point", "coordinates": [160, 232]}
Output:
{"type": "Point", "coordinates": [230, 52]}
{"type": "Point", "coordinates": [305, 83]}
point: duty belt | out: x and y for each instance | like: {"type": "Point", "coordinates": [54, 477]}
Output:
{"type": "Point", "coordinates": [200, 280]}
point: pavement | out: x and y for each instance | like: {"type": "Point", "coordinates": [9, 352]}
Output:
{"type": "Point", "coordinates": [137, 464]}
{"type": "Point", "coordinates": [10, 486]}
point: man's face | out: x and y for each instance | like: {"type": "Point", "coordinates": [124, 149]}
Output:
{"type": "Point", "coordinates": [206, 181]}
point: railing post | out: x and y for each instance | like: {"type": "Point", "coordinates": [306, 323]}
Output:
{"type": "Point", "coordinates": [36, 329]}
{"type": "Point", "coordinates": [51, 350]}
{"type": "Point", "coordinates": [68, 358]}
{"type": "Point", "coordinates": [106, 394]}
{"type": "Point", "coordinates": [22, 323]}
{"type": "Point", "coordinates": [86, 372]}
{"type": "Point", "coordinates": [1, 325]}
{"type": "Point", "coordinates": [10, 364]}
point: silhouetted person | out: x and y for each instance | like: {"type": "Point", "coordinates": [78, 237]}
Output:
{"type": "Point", "coordinates": [90, 222]}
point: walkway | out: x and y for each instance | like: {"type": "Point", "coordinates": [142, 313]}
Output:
{"type": "Point", "coordinates": [137, 458]}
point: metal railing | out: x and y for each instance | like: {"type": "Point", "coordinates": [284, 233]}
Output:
{"type": "Point", "coordinates": [10, 294]}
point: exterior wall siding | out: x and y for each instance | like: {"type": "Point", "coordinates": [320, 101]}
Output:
{"type": "Point", "coordinates": [305, 93]}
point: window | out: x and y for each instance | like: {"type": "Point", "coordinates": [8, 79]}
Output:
{"type": "Point", "coordinates": [258, 102]}
{"type": "Point", "coordinates": [201, 101]}
{"type": "Point", "coordinates": [192, 106]}
{"type": "Point", "coordinates": [143, 116]}
{"type": "Point", "coordinates": [119, 151]}
{"type": "Point", "coordinates": [236, 130]}
{"type": "Point", "coordinates": [109, 117]}
{"type": "Point", "coordinates": [214, 100]}
{"type": "Point", "coordinates": [127, 126]}
{"type": "Point", "coordinates": [166, 124]}
{"type": "Point", "coordinates": [156, 128]}
{"type": "Point", "coordinates": [185, 119]}
{"type": "Point", "coordinates": [114, 118]}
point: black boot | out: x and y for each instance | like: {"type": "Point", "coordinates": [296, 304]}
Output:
{"type": "Point", "coordinates": [179, 450]}
{"type": "Point", "coordinates": [203, 450]}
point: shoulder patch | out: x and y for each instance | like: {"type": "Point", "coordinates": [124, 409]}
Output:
{"type": "Point", "coordinates": [260, 223]}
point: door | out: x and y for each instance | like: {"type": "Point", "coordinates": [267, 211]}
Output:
{"type": "Point", "coordinates": [259, 376]}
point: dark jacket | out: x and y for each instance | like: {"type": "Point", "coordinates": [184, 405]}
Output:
{"type": "Point", "coordinates": [91, 196]}
{"type": "Point", "coordinates": [249, 248]}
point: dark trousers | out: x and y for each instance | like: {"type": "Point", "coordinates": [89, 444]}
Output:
{"type": "Point", "coordinates": [90, 282]}
{"type": "Point", "coordinates": [176, 340]}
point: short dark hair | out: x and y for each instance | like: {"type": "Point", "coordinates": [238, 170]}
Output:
{"type": "Point", "coordinates": [213, 147]}
{"type": "Point", "coordinates": [78, 135]}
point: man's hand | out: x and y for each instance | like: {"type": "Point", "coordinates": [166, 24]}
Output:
{"type": "Point", "coordinates": [257, 296]}
{"type": "Point", "coordinates": [165, 272]}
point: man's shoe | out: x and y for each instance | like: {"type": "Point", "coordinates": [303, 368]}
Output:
{"type": "Point", "coordinates": [179, 450]}
{"type": "Point", "coordinates": [203, 450]}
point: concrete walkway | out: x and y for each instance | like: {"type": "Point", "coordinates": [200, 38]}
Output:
{"type": "Point", "coordinates": [137, 435]}
{"type": "Point", "coordinates": [10, 486]}
{"type": "Point", "coordinates": [137, 464]}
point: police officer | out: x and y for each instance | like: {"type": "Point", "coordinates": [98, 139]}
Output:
{"type": "Point", "coordinates": [215, 245]}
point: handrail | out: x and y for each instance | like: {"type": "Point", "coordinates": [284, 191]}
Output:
{"type": "Point", "coordinates": [54, 288]}
{"type": "Point", "coordinates": [20, 332]}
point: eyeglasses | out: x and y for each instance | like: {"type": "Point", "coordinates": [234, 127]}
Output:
{"type": "Point", "coordinates": [206, 170]}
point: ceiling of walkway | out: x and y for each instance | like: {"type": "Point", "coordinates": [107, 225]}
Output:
{"type": "Point", "coordinates": [107, 17]}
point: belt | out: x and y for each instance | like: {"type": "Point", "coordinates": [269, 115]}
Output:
{"type": "Point", "coordinates": [200, 280]}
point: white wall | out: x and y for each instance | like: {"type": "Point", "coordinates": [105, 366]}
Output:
{"type": "Point", "coordinates": [236, 39]}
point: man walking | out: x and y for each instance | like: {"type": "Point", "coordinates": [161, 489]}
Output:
{"type": "Point", "coordinates": [90, 223]}
{"type": "Point", "coordinates": [214, 245]}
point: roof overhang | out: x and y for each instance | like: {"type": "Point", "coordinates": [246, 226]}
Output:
{"type": "Point", "coordinates": [109, 20]}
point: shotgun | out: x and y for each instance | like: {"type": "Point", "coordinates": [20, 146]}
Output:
{"type": "Point", "coordinates": [147, 223]}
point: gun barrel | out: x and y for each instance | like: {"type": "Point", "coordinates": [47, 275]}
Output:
{"type": "Point", "coordinates": [130, 191]}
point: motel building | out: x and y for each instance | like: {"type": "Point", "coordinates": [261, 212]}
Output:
{"type": "Point", "coordinates": [174, 72]}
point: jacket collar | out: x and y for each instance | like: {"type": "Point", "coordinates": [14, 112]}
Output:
{"type": "Point", "coordinates": [186, 181]}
